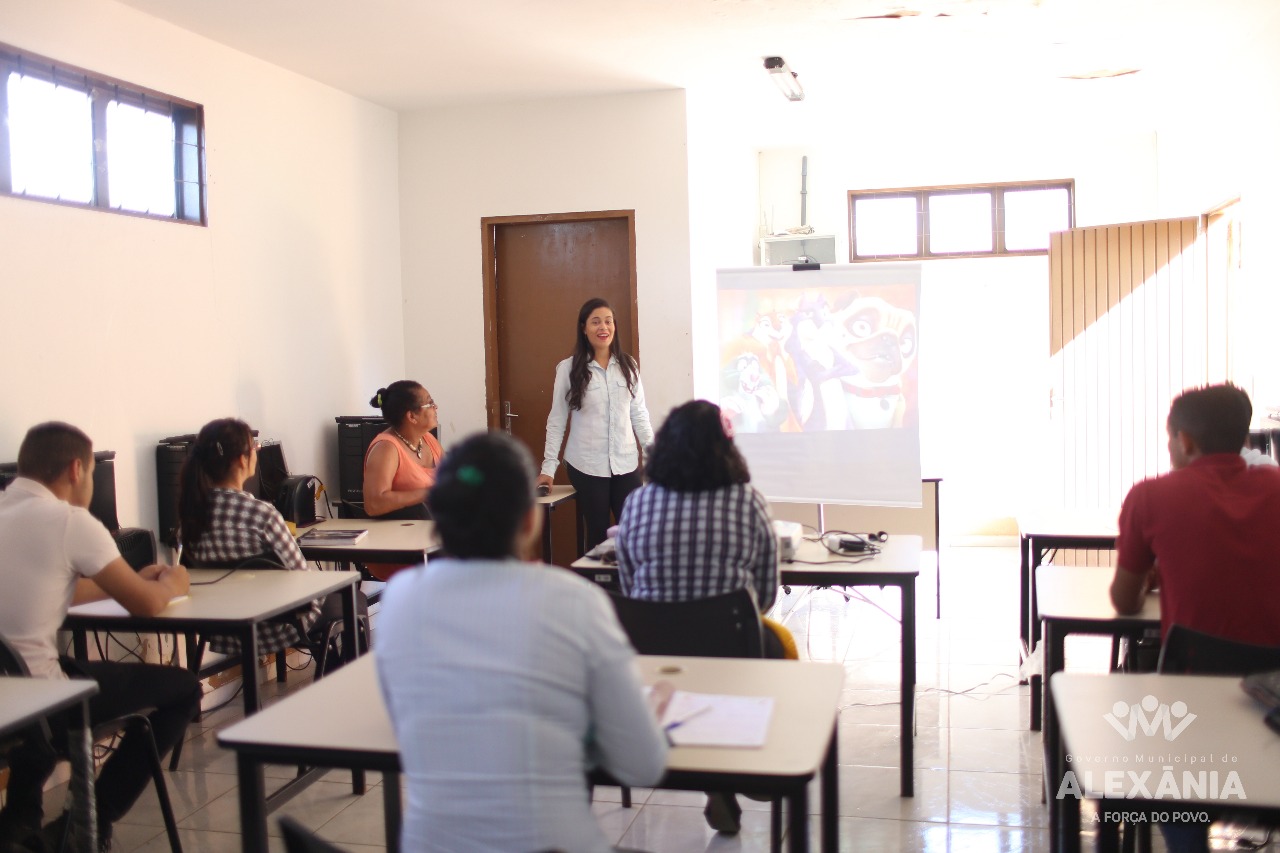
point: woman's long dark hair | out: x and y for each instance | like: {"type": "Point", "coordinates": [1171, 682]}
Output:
{"type": "Point", "coordinates": [216, 449]}
{"type": "Point", "coordinates": [483, 488]}
{"type": "Point", "coordinates": [579, 372]}
{"type": "Point", "coordinates": [397, 400]}
{"type": "Point", "coordinates": [691, 453]}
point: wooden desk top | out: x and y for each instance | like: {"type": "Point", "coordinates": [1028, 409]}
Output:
{"type": "Point", "coordinates": [243, 595]}
{"type": "Point", "coordinates": [318, 719]}
{"type": "Point", "coordinates": [1077, 523]}
{"type": "Point", "coordinates": [898, 558]}
{"type": "Point", "coordinates": [25, 700]}
{"type": "Point", "coordinates": [557, 496]}
{"type": "Point", "coordinates": [387, 542]}
{"type": "Point", "coordinates": [1083, 593]}
{"type": "Point", "coordinates": [1227, 734]}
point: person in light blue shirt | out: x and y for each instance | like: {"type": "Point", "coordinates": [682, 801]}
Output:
{"type": "Point", "coordinates": [506, 680]}
{"type": "Point", "coordinates": [598, 396]}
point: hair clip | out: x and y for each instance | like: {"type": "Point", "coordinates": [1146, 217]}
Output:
{"type": "Point", "coordinates": [379, 399]}
{"type": "Point", "coordinates": [218, 444]}
{"type": "Point", "coordinates": [471, 475]}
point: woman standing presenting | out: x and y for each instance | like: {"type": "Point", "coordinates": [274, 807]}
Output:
{"type": "Point", "coordinates": [598, 395]}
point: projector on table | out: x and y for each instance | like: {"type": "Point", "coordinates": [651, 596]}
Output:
{"type": "Point", "coordinates": [789, 534]}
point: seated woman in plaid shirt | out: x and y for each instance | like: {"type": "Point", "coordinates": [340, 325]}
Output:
{"type": "Point", "coordinates": [222, 525]}
{"type": "Point", "coordinates": [699, 529]}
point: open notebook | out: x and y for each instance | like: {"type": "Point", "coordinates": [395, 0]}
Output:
{"type": "Point", "coordinates": [710, 719]}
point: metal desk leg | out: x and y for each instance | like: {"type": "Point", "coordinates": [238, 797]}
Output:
{"type": "Point", "coordinates": [1054, 645]}
{"type": "Point", "coordinates": [1024, 593]}
{"type": "Point", "coordinates": [84, 811]}
{"type": "Point", "coordinates": [546, 534]}
{"type": "Point", "coordinates": [350, 627]}
{"type": "Point", "coordinates": [80, 644]}
{"type": "Point", "coordinates": [906, 740]}
{"type": "Point", "coordinates": [1034, 553]}
{"type": "Point", "coordinates": [937, 543]}
{"type": "Point", "coordinates": [253, 805]}
{"type": "Point", "coordinates": [249, 669]}
{"type": "Point", "coordinates": [798, 820]}
{"type": "Point", "coordinates": [391, 810]}
{"type": "Point", "coordinates": [831, 796]}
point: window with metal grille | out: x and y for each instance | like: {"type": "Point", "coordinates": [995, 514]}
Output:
{"type": "Point", "coordinates": [958, 221]}
{"type": "Point", "coordinates": [70, 136]}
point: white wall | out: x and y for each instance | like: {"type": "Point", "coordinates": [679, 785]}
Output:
{"type": "Point", "coordinates": [605, 153]}
{"type": "Point", "coordinates": [285, 311]}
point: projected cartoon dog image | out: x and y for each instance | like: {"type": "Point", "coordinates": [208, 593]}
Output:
{"type": "Point", "coordinates": [828, 359]}
{"type": "Point", "coordinates": [879, 340]}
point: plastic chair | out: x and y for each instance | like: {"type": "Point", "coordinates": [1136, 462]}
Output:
{"type": "Point", "coordinates": [722, 626]}
{"type": "Point", "coordinates": [1190, 652]}
{"type": "Point", "coordinates": [12, 664]}
{"type": "Point", "coordinates": [299, 839]}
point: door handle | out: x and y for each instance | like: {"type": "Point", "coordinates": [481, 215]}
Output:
{"type": "Point", "coordinates": [507, 415]}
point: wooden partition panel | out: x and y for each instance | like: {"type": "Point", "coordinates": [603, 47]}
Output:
{"type": "Point", "coordinates": [1134, 319]}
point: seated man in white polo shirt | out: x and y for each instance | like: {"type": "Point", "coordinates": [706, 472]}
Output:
{"type": "Point", "coordinates": [53, 554]}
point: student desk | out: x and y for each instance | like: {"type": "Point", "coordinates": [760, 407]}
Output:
{"type": "Point", "coordinates": [230, 602]}
{"type": "Point", "coordinates": [897, 564]}
{"type": "Point", "coordinates": [1077, 600]}
{"type": "Point", "coordinates": [313, 727]}
{"type": "Point", "coordinates": [1041, 532]}
{"type": "Point", "coordinates": [23, 702]}
{"type": "Point", "coordinates": [386, 542]}
{"type": "Point", "coordinates": [1227, 735]}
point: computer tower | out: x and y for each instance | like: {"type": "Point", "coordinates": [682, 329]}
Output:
{"type": "Point", "coordinates": [355, 434]}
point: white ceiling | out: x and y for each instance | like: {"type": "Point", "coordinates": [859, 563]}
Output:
{"type": "Point", "coordinates": [413, 54]}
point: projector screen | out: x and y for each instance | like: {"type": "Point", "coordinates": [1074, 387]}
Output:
{"type": "Point", "coordinates": [817, 370]}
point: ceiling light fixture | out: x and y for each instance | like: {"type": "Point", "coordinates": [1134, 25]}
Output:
{"type": "Point", "coordinates": [787, 81]}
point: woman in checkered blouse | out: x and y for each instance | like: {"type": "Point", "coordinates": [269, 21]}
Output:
{"type": "Point", "coordinates": [222, 525]}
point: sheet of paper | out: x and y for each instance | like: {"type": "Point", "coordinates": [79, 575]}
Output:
{"type": "Point", "coordinates": [111, 607]}
{"type": "Point", "coordinates": [709, 719]}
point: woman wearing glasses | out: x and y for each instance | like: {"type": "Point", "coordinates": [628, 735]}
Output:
{"type": "Point", "coordinates": [400, 464]}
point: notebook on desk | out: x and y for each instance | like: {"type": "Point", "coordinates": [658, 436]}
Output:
{"type": "Point", "coordinates": [333, 537]}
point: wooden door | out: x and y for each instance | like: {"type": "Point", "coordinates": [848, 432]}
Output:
{"type": "Point", "coordinates": [538, 270]}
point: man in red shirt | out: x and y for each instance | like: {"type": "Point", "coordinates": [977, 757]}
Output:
{"type": "Point", "coordinates": [1212, 523]}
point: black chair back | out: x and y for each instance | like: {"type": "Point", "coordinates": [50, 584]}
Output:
{"type": "Point", "coordinates": [257, 561]}
{"type": "Point", "coordinates": [722, 626]}
{"type": "Point", "coordinates": [1189, 652]}
{"type": "Point", "coordinates": [299, 839]}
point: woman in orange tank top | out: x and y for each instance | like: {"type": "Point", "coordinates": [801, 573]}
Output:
{"type": "Point", "coordinates": [400, 464]}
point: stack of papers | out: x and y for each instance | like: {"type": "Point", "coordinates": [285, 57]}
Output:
{"type": "Point", "coordinates": [333, 537]}
{"type": "Point", "coordinates": [709, 719]}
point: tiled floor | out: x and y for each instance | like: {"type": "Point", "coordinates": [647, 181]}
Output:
{"type": "Point", "coordinates": [977, 766]}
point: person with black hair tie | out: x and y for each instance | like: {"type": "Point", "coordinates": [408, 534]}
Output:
{"type": "Point", "coordinates": [505, 680]}
{"type": "Point", "coordinates": [598, 396]}
{"type": "Point", "coordinates": [400, 464]}
{"type": "Point", "coordinates": [220, 524]}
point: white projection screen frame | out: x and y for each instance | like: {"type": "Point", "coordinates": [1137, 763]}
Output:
{"type": "Point", "coordinates": [817, 370]}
